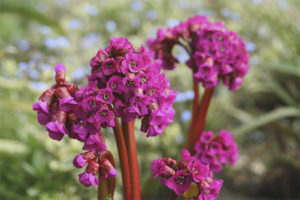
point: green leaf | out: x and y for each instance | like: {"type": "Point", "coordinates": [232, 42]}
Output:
{"type": "Point", "coordinates": [267, 118]}
{"type": "Point", "coordinates": [28, 12]}
{"type": "Point", "coordinates": [282, 67]}
{"type": "Point", "coordinates": [12, 146]}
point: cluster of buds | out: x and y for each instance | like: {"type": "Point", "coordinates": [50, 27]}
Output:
{"type": "Point", "coordinates": [97, 163]}
{"type": "Point", "coordinates": [215, 52]}
{"type": "Point", "coordinates": [217, 151]}
{"type": "Point", "coordinates": [55, 106]}
{"type": "Point", "coordinates": [178, 176]}
{"type": "Point", "coordinates": [125, 83]}
{"type": "Point", "coordinates": [57, 110]}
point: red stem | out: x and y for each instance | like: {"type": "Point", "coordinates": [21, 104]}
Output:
{"type": "Point", "coordinates": [191, 131]}
{"type": "Point", "coordinates": [102, 189]}
{"type": "Point", "coordinates": [173, 196]}
{"type": "Point", "coordinates": [128, 129]}
{"type": "Point", "coordinates": [107, 186]}
{"type": "Point", "coordinates": [201, 117]}
{"type": "Point", "coordinates": [123, 157]}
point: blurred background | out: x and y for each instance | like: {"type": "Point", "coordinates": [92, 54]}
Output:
{"type": "Point", "coordinates": [264, 114]}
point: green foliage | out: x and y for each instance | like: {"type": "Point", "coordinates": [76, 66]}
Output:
{"type": "Point", "coordinates": [264, 113]}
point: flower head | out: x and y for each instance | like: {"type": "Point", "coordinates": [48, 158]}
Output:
{"type": "Point", "coordinates": [178, 176]}
{"type": "Point", "coordinates": [180, 182]}
{"type": "Point", "coordinates": [124, 82]}
{"type": "Point", "coordinates": [215, 52]}
{"type": "Point", "coordinates": [216, 151]}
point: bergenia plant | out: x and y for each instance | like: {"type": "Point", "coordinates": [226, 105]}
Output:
{"type": "Point", "coordinates": [124, 83]}
{"type": "Point", "coordinates": [215, 54]}
{"type": "Point", "coordinates": [127, 83]}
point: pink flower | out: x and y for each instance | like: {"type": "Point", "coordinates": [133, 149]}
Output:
{"type": "Point", "coordinates": [43, 112]}
{"type": "Point", "coordinates": [88, 179]}
{"type": "Point", "coordinates": [109, 66]}
{"type": "Point", "coordinates": [60, 68]}
{"type": "Point", "coordinates": [105, 96]}
{"type": "Point", "coordinates": [180, 182]}
{"type": "Point", "coordinates": [80, 131]}
{"type": "Point", "coordinates": [67, 104]}
{"type": "Point", "coordinates": [120, 43]}
{"type": "Point", "coordinates": [206, 137]}
{"type": "Point", "coordinates": [115, 84]}
{"type": "Point", "coordinates": [215, 52]}
{"type": "Point", "coordinates": [185, 159]}
{"type": "Point", "coordinates": [160, 168]}
{"type": "Point", "coordinates": [217, 151]}
{"type": "Point", "coordinates": [79, 161]}
{"type": "Point", "coordinates": [198, 170]}
{"type": "Point", "coordinates": [95, 142]}
{"type": "Point", "coordinates": [211, 192]}
{"type": "Point", "coordinates": [56, 130]}
{"type": "Point", "coordinates": [133, 62]}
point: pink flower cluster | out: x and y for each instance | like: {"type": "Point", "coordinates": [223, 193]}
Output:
{"type": "Point", "coordinates": [55, 106]}
{"type": "Point", "coordinates": [97, 165]}
{"type": "Point", "coordinates": [217, 151]}
{"type": "Point", "coordinates": [125, 83]}
{"type": "Point", "coordinates": [178, 176]}
{"type": "Point", "coordinates": [57, 110]}
{"type": "Point", "coordinates": [215, 52]}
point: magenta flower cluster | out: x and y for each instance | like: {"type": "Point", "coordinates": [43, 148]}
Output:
{"type": "Point", "coordinates": [97, 165]}
{"type": "Point", "coordinates": [215, 52]}
{"type": "Point", "coordinates": [55, 106]}
{"type": "Point", "coordinates": [125, 83]}
{"type": "Point", "coordinates": [57, 110]}
{"type": "Point", "coordinates": [178, 176]}
{"type": "Point", "coordinates": [216, 151]}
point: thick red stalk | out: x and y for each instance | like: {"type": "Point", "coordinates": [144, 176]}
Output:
{"type": "Point", "coordinates": [201, 116]}
{"type": "Point", "coordinates": [107, 186]}
{"type": "Point", "coordinates": [128, 129]}
{"type": "Point", "coordinates": [123, 158]}
{"type": "Point", "coordinates": [102, 189]}
{"type": "Point", "coordinates": [194, 116]}
{"type": "Point", "coordinates": [173, 196]}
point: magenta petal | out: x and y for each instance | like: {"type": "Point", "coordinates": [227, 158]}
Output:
{"type": "Point", "coordinates": [88, 179]}
{"type": "Point", "coordinates": [60, 68]}
{"type": "Point", "coordinates": [67, 103]}
{"type": "Point", "coordinates": [43, 118]}
{"type": "Point", "coordinates": [112, 172]}
{"type": "Point", "coordinates": [79, 161]}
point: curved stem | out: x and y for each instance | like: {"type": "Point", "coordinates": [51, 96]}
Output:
{"type": "Point", "coordinates": [201, 117]}
{"type": "Point", "coordinates": [128, 129]}
{"type": "Point", "coordinates": [123, 157]}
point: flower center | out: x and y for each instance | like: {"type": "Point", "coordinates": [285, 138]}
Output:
{"type": "Point", "coordinates": [180, 180]}
{"type": "Point", "coordinates": [103, 112]}
{"type": "Point", "coordinates": [143, 79]}
{"type": "Point", "coordinates": [133, 63]}
{"type": "Point", "coordinates": [195, 170]}
{"type": "Point", "coordinates": [130, 83]}
{"type": "Point", "coordinates": [113, 86]}
{"type": "Point", "coordinates": [222, 48]}
{"type": "Point", "coordinates": [151, 92]}
{"type": "Point", "coordinates": [109, 65]}
{"type": "Point", "coordinates": [105, 96]}
{"type": "Point", "coordinates": [91, 103]}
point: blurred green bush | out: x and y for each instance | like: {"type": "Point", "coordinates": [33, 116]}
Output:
{"type": "Point", "coordinates": [263, 114]}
